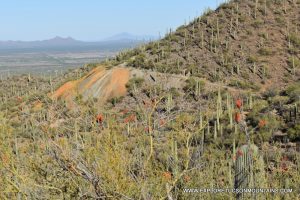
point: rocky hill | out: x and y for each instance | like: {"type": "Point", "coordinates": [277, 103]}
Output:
{"type": "Point", "coordinates": [253, 44]}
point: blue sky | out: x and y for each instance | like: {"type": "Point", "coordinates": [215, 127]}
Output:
{"type": "Point", "coordinates": [92, 20]}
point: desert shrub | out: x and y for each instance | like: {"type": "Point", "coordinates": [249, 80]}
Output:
{"type": "Point", "coordinates": [151, 46]}
{"type": "Point", "coordinates": [163, 68]}
{"type": "Point", "coordinates": [174, 70]}
{"type": "Point", "coordinates": [174, 38]}
{"type": "Point", "coordinates": [280, 21]}
{"type": "Point", "coordinates": [245, 75]}
{"type": "Point", "coordinates": [271, 92]}
{"type": "Point", "coordinates": [258, 107]}
{"type": "Point", "coordinates": [263, 136]}
{"type": "Point", "coordinates": [134, 83]}
{"type": "Point", "coordinates": [138, 61]}
{"type": "Point", "coordinates": [257, 23]}
{"type": "Point", "coordinates": [263, 35]}
{"type": "Point", "coordinates": [252, 59]}
{"type": "Point", "coordinates": [294, 62]}
{"type": "Point", "coordinates": [294, 39]}
{"type": "Point", "coordinates": [226, 6]}
{"type": "Point", "coordinates": [293, 51]}
{"type": "Point", "coordinates": [152, 90]}
{"type": "Point", "coordinates": [149, 65]}
{"type": "Point", "coordinates": [242, 18]}
{"type": "Point", "coordinates": [293, 133]}
{"type": "Point", "coordinates": [79, 98]}
{"type": "Point", "coordinates": [191, 85]}
{"type": "Point", "coordinates": [92, 65]}
{"type": "Point", "coordinates": [279, 100]}
{"type": "Point", "coordinates": [293, 91]}
{"type": "Point", "coordinates": [174, 91]}
{"type": "Point", "coordinates": [265, 52]}
{"type": "Point", "coordinates": [116, 100]}
{"type": "Point", "coordinates": [272, 123]}
{"type": "Point", "coordinates": [243, 84]}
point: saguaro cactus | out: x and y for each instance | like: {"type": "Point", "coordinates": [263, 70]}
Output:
{"type": "Point", "coordinates": [256, 6]}
{"type": "Point", "coordinates": [229, 109]}
{"type": "Point", "coordinates": [244, 174]}
{"type": "Point", "coordinates": [215, 130]}
{"type": "Point", "coordinates": [202, 39]}
{"type": "Point", "coordinates": [198, 88]}
{"type": "Point", "coordinates": [175, 158]}
{"type": "Point", "coordinates": [208, 127]}
{"type": "Point", "coordinates": [244, 156]}
{"type": "Point", "coordinates": [169, 103]}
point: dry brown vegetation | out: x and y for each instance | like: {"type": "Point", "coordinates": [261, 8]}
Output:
{"type": "Point", "coordinates": [218, 90]}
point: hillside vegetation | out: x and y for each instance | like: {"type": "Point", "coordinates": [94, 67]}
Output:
{"type": "Point", "coordinates": [256, 42]}
{"type": "Point", "coordinates": [214, 104]}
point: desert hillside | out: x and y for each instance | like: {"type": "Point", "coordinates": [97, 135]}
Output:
{"type": "Point", "coordinates": [253, 44]}
{"type": "Point", "coordinates": [214, 104]}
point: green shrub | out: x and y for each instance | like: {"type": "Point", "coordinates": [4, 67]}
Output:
{"type": "Point", "coordinates": [280, 21]}
{"type": "Point", "coordinates": [257, 23]}
{"type": "Point", "coordinates": [293, 133]}
{"type": "Point", "coordinates": [243, 84]}
{"type": "Point", "coordinates": [191, 85]}
{"type": "Point", "coordinates": [294, 39]}
{"type": "Point", "coordinates": [227, 6]}
{"type": "Point", "coordinates": [116, 100]}
{"type": "Point", "coordinates": [258, 107]}
{"type": "Point", "coordinates": [134, 83]}
{"type": "Point", "coordinates": [174, 92]}
{"type": "Point", "coordinates": [138, 61]}
{"type": "Point", "coordinates": [294, 62]}
{"type": "Point", "coordinates": [279, 100]}
{"type": "Point", "coordinates": [265, 52]}
{"type": "Point", "coordinates": [293, 92]}
{"type": "Point", "coordinates": [272, 92]}
{"type": "Point", "coordinates": [252, 59]}
{"type": "Point", "coordinates": [153, 90]}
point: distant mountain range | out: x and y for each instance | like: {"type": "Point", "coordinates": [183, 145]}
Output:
{"type": "Point", "coordinates": [57, 41]}
{"type": "Point", "coordinates": [122, 40]}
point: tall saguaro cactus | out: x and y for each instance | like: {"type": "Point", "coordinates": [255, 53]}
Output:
{"type": "Point", "coordinates": [169, 103]}
{"type": "Point", "coordinates": [245, 156]}
{"type": "Point", "coordinates": [244, 174]}
{"type": "Point", "coordinates": [198, 88]}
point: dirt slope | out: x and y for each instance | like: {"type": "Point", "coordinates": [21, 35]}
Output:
{"type": "Point", "coordinates": [100, 83]}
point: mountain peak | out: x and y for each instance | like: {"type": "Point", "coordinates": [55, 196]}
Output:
{"type": "Point", "coordinates": [58, 38]}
